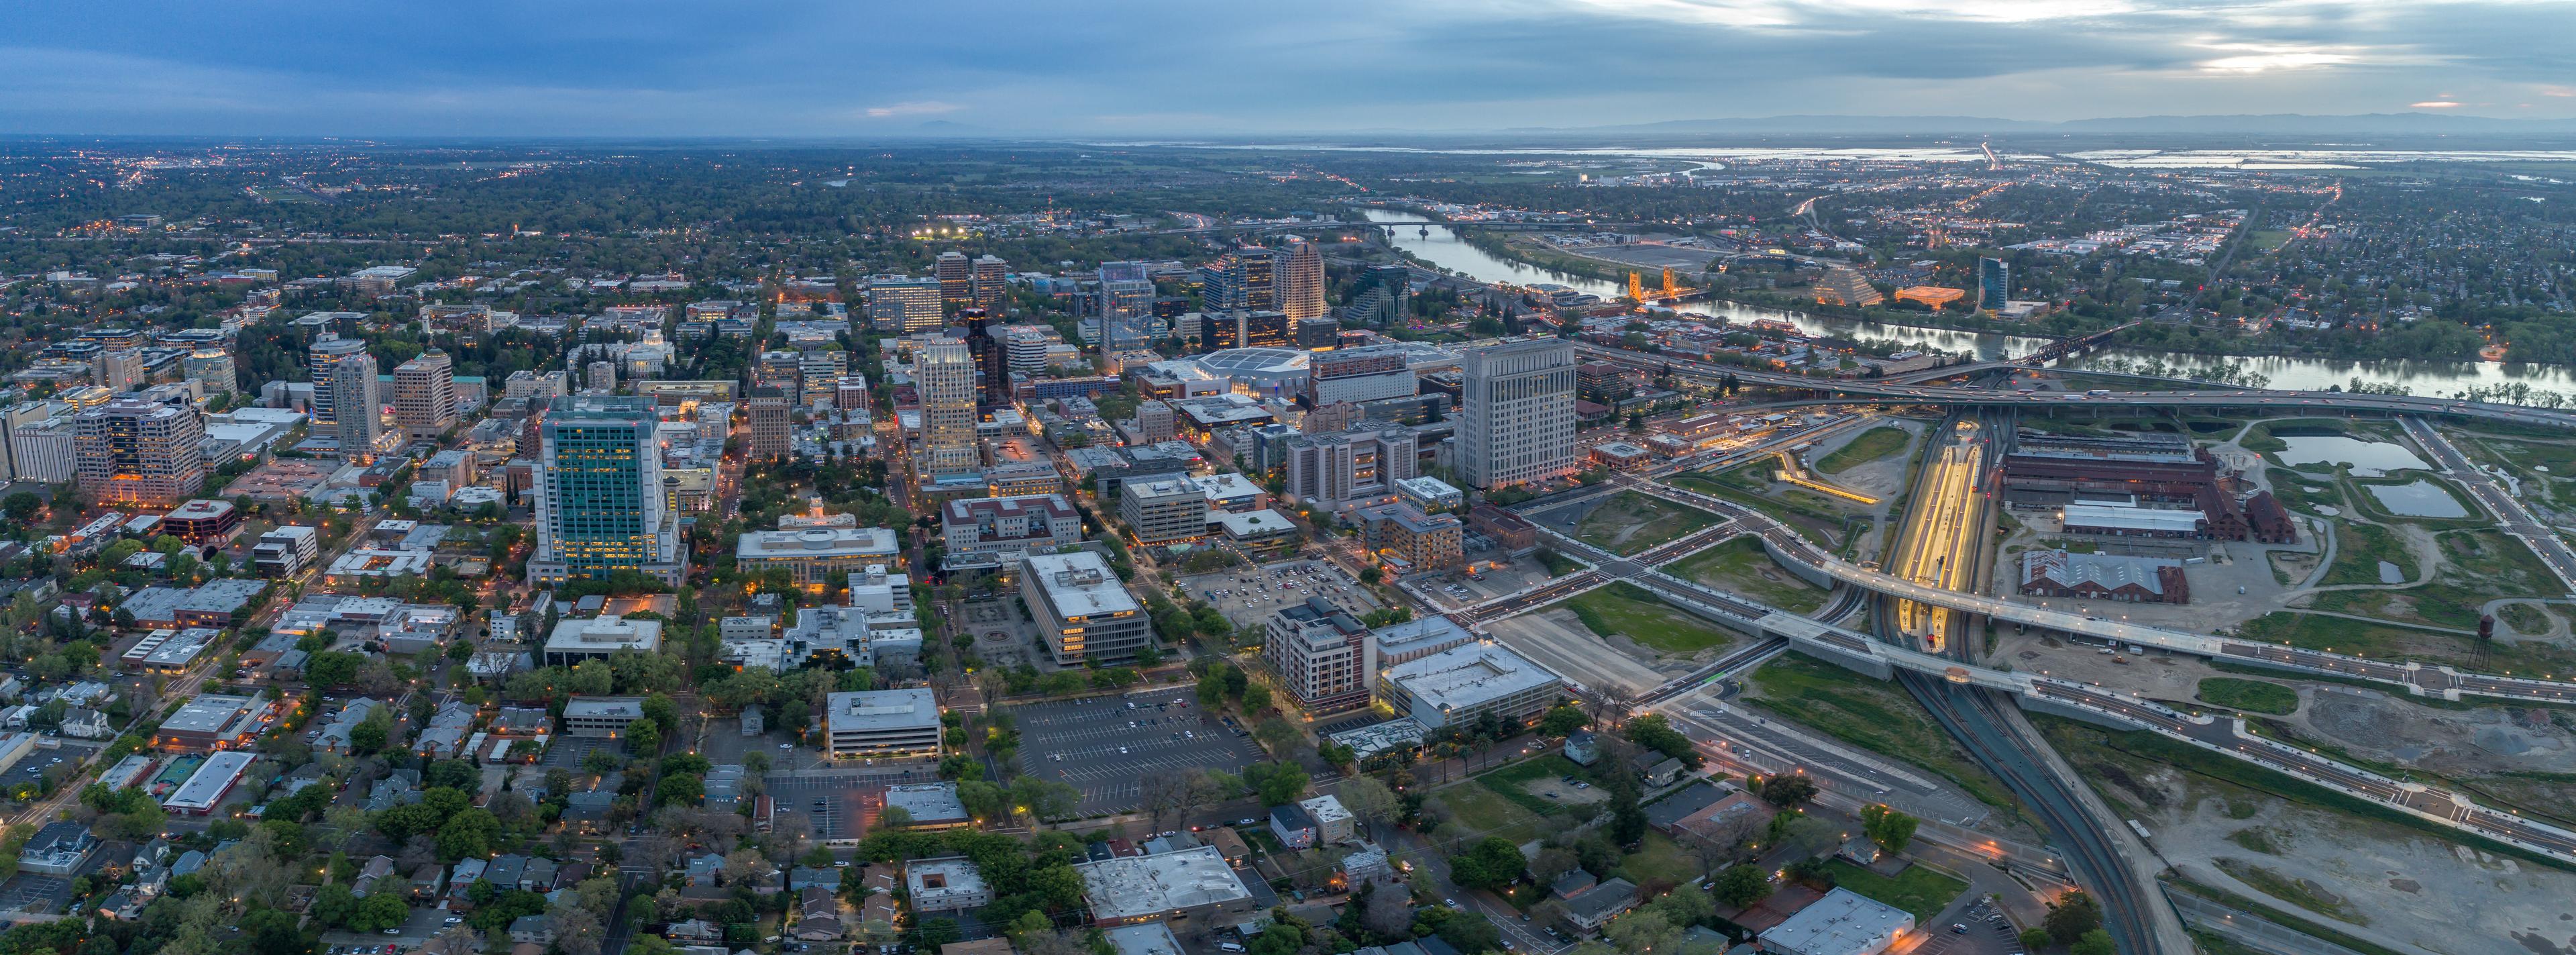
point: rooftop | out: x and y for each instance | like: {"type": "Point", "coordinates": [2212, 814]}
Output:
{"type": "Point", "coordinates": [1134, 887]}
{"type": "Point", "coordinates": [1842, 923]}
{"type": "Point", "coordinates": [880, 710]}
{"type": "Point", "coordinates": [1464, 677]}
{"type": "Point", "coordinates": [1080, 584]}
{"type": "Point", "coordinates": [816, 542]}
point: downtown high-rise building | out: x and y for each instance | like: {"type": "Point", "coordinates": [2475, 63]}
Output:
{"type": "Point", "coordinates": [425, 395]}
{"type": "Point", "coordinates": [1516, 412]}
{"type": "Point", "coordinates": [119, 370]}
{"type": "Point", "coordinates": [956, 275]}
{"type": "Point", "coordinates": [1994, 283]}
{"type": "Point", "coordinates": [992, 363]}
{"type": "Point", "coordinates": [772, 427]}
{"type": "Point", "coordinates": [326, 352]}
{"type": "Point", "coordinates": [357, 400]}
{"type": "Point", "coordinates": [602, 503]}
{"type": "Point", "coordinates": [944, 376]}
{"type": "Point", "coordinates": [904, 305]}
{"type": "Point", "coordinates": [1241, 280]}
{"type": "Point", "coordinates": [134, 451]}
{"type": "Point", "coordinates": [991, 282]}
{"type": "Point", "coordinates": [1299, 275]}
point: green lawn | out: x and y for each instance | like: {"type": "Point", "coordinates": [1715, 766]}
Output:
{"type": "Point", "coordinates": [1738, 567]}
{"type": "Point", "coordinates": [1918, 889]}
{"type": "Point", "coordinates": [2477, 565]}
{"type": "Point", "coordinates": [1630, 522]}
{"type": "Point", "coordinates": [1872, 445]}
{"type": "Point", "coordinates": [2255, 695]}
{"type": "Point", "coordinates": [1875, 716]}
{"type": "Point", "coordinates": [1659, 862]}
{"type": "Point", "coordinates": [1486, 813]}
{"type": "Point", "coordinates": [1817, 516]}
{"type": "Point", "coordinates": [1506, 782]}
{"type": "Point", "coordinates": [1627, 610]}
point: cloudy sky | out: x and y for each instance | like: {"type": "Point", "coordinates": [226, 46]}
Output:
{"type": "Point", "coordinates": [1226, 67]}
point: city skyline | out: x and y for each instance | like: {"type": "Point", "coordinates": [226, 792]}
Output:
{"type": "Point", "coordinates": [679, 70]}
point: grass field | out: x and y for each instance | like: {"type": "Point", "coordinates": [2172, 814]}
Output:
{"type": "Point", "coordinates": [2524, 618]}
{"type": "Point", "coordinates": [1658, 863]}
{"type": "Point", "coordinates": [1625, 609]}
{"type": "Point", "coordinates": [1874, 716]}
{"type": "Point", "coordinates": [2254, 695]}
{"type": "Point", "coordinates": [2300, 492]}
{"type": "Point", "coordinates": [2477, 565]}
{"type": "Point", "coordinates": [2296, 892]}
{"type": "Point", "coordinates": [1872, 445]}
{"type": "Point", "coordinates": [1630, 522]}
{"type": "Point", "coordinates": [1506, 782]}
{"type": "Point", "coordinates": [2358, 550]}
{"type": "Point", "coordinates": [1738, 567]}
{"type": "Point", "coordinates": [1917, 890]}
{"type": "Point", "coordinates": [1487, 813]}
{"type": "Point", "coordinates": [1817, 516]}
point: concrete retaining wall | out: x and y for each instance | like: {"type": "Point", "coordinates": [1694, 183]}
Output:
{"type": "Point", "coordinates": [1805, 571]}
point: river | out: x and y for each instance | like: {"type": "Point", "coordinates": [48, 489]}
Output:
{"type": "Point", "coordinates": [1442, 247]}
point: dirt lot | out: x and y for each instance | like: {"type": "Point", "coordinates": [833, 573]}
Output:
{"type": "Point", "coordinates": [1564, 792]}
{"type": "Point", "coordinates": [2379, 881]}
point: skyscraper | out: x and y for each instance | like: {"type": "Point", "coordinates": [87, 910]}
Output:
{"type": "Point", "coordinates": [904, 305]}
{"type": "Point", "coordinates": [1994, 283]}
{"type": "Point", "coordinates": [358, 401]}
{"type": "Point", "coordinates": [601, 503]}
{"type": "Point", "coordinates": [325, 352]}
{"type": "Point", "coordinates": [1241, 279]}
{"type": "Point", "coordinates": [1516, 416]}
{"type": "Point", "coordinates": [1300, 274]}
{"type": "Point", "coordinates": [425, 395]}
{"type": "Point", "coordinates": [991, 280]}
{"type": "Point", "coordinates": [771, 428]}
{"type": "Point", "coordinates": [945, 377]}
{"type": "Point", "coordinates": [992, 364]}
{"type": "Point", "coordinates": [133, 451]}
{"type": "Point", "coordinates": [956, 276]}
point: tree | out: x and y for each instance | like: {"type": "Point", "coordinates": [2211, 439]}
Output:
{"type": "Point", "coordinates": [1471, 932]}
{"type": "Point", "coordinates": [1788, 790]}
{"type": "Point", "coordinates": [933, 933]}
{"type": "Point", "coordinates": [1494, 863]}
{"type": "Point", "coordinates": [643, 737]}
{"type": "Point", "coordinates": [1891, 829]}
{"type": "Point", "coordinates": [1277, 784]}
{"type": "Point", "coordinates": [470, 832]}
{"type": "Point", "coordinates": [1742, 885]}
{"type": "Point", "coordinates": [378, 912]}
{"type": "Point", "coordinates": [1562, 720]}
{"type": "Point", "coordinates": [2095, 942]}
{"type": "Point", "coordinates": [1369, 800]}
{"type": "Point", "coordinates": [2070, 917]}
{"type": "Point", "coordinates": [2034, 938]}
{"type": "Point", "coordinates": [1654, 732]}
{"type": "Point", "coordinates": [894, 817]}
{"type": "Point", "coordinates": [1275, 734]}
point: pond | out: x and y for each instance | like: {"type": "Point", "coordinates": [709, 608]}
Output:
{"type": "Point", "coordinates": [2367, 458]}
{"type": "Point", "coordinates": [2419, 499]}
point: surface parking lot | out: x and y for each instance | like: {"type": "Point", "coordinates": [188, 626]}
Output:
{"type": "Point", "coordinates": [838, 805]}
{"type": "Point", "coordinates": [35, 894]}
{"type": "Point", "coordinates": [1248, 595]}
{"type": "Point", "coordinates": [1090, 744]}
{"type": "Point", "coordinates": [567, 751]}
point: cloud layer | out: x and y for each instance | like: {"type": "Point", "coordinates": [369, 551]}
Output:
{"type": "Point", "coordinates": [827, 68]}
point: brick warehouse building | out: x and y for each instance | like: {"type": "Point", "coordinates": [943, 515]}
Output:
{"type": "Point", "coordinates": [2054, 470]}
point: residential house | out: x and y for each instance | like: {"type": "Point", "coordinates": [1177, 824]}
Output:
{"type": "Point", "coordinates": [468, 871]}
{"type": "Point", "coordinates": [533, 930]}
{"type": "Point", "coordinates": [376, 869]}
{"type": "Point", "coordinates": [1663, 773]}
{"type": "Point", "coordinates": [1595, 906]}
{"type": "Point", "coordinates": [1583, 748]}
{"type": "Point", "coordinates": [60, 848]}
{"type": "Point", "coordinates": [802, 878]}
{"type": "Point", "coordinates": [81, 722]}
{"type": "Point", "coordinates": [818, 917]}
{"type": "Point", "coordinates": [1294, 826]}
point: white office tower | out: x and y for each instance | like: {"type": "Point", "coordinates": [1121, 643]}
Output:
{"type": "Point", "coordinates": [1516, 423]}
{"type": "Point", "coordinates": [1301, 282]}
{"type": "Point", "coordinates": [1027, 347]}
{"type": "Point", "coordinates": [359, 401]}
{"type": "Point", "coordinates": [945, 376]}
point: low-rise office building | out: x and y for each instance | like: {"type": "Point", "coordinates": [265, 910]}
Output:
{"type": "Point", "coordinates": [1027, 522]}
{"type": "Point", "coordinates": [215, 721]}
{"type": "Point", "coordinates": [883, 723]}
{"type": "Point", "coordinates": [947, 884]}
{"type": "Point", "coordinates": [1163, 511]}
{"type": "Point", "coordinates": [1464, 682]}
{"type": "Point", "coordinates": [601, 717]}
{"type": "Point", "coordinates": [1084, 612]}
{"type": "Point", "coordinates": [598, 638]}
{"type": "Point", "coordinates": [283, 551]}
{"type": "Point", "coordinates": [1172, 886]}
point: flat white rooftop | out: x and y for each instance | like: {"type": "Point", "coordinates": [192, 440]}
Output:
{"type": "Point", "coordinates": [1080, 584]}
{"type": "Point", "coordinates": [1132, 887]}
{"type": "Point", "coordinates": [1461, 678]}
{"type": "Point", "coordinates": [878, 711]}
